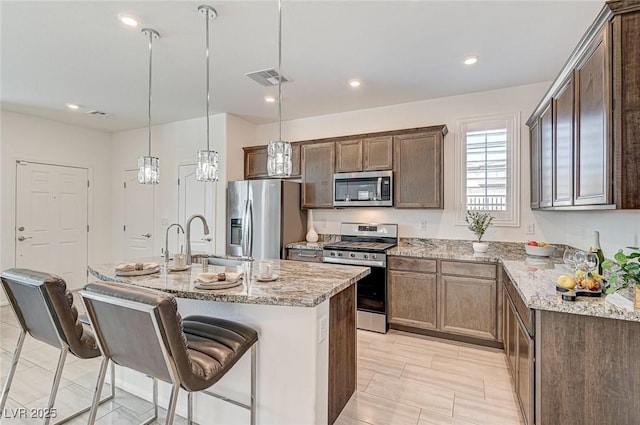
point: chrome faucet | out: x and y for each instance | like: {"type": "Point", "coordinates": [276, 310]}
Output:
{"type": "Point", "coordinates": [167, 257]}
{"type": "Point", "coordinates": [206, 232]}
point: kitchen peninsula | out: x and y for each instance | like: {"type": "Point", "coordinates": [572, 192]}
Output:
{"type": "Point", "coordinates": [307, 346]}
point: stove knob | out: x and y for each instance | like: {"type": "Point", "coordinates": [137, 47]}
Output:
{"type": "Point", "coordinates": [333, 254]}
{"type": "Point", "coordinates": [352, 255]}
{"type": "Point", "coordinates": [339, 254]}
{"type": "Point", "coordinates": [373, 256]}
{"type": "Point", "coordinates": [366, 256]}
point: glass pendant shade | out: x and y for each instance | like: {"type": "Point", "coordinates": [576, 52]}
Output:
{"type": "Point", "coordinates": [279, 159]}
{"type": "Point", "coordinates": [207, 169]}
{"type": "Point", "coordinates": [148, 170]}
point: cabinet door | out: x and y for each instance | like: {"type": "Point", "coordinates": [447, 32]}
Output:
{"type": "Point", "coordinates": [295, 160]}
{"type": "Point", "coordinates": [468, 307]}
{"type": "Point", "coordinates": [377, 153]}
{"type": "Point", "coordinates": [525, 373]}
{"type": "Point", "coordinates": [563, 108]}
{"type": "Point", "coordinates": [592, 171]}
{"type": "Point", "coordinates": [534, 156]}
{"type": "Point", "coordinates": [255, 163]}
{"type": "Point", "coordinates": [546, 158]}
{"type": "Point", "coordinates": [413, 299]}
{"type": "Point", "coordinates": [418, 163]}
{"type": "Point", "coordinates": [509, 332]}
{"type": "Point", "coordinates": [348, 156]}
{"type": "Point", "coordinates": [318, 161]}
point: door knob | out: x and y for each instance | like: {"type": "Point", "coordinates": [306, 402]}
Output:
{"type": "Point", "coordinates": [207, 238]}
{"type": "Point", "coordinates": [21, 229]}
{"type": "Point", "coordinates": [22, 238]}
{"type": "Point", "coordinates": [146, 235]}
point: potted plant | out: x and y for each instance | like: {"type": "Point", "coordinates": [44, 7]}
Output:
{"type": "Point", "coordinates": [478, 223]}
{"type": "Point", "coordinates": [624, 271]}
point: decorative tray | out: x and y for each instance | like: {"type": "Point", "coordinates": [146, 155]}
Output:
{"type": "Point", "coordinates": [572, 294]}
{"type": "Point", "coordinates": [138, 272]}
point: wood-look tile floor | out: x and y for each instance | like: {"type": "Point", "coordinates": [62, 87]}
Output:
{"type": "Point", "coordinates": [414, 380]}
{"type": "Point", "coordinates": [402, 379]}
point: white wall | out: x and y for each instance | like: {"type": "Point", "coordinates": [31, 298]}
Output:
{"type": "Point", "coordinates": [24, 137]}
{"type": "Point", "coordinates": [239, 133]}
{"type": "Point", "coordinates": [175, 144]}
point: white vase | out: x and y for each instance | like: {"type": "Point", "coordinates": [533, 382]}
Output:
{"type": "Point", "coordinates": [481, 247]}
{"type": "Point", "coordinates": [312, 235]}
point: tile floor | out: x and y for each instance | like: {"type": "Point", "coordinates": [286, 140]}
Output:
{"type": "Point", "coordinates": [402, 379]}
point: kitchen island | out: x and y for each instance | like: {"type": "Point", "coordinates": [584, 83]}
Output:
{"type": "Point", "coordinates": [307, 347]}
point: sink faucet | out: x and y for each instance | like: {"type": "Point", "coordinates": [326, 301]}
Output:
{"type": "Point", "coordinates": [206, 232]}
{"type": "Point", "coordinates": [167, 257]}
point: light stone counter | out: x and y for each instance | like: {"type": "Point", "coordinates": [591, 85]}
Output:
{"type": "Point", "coordinates": [534, 277]}
{"type": "Point", "coordinates": [300, 284]}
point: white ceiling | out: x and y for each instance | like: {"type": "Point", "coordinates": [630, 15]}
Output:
{"type": "Point", "coordinates": [54, 52]}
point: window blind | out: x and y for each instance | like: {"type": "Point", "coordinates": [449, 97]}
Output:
{"type": "Point", "coordinates": [487, 170]}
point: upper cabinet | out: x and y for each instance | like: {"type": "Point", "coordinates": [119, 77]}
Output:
{"type": "Point", "coordinates": [318, 161]}
{"type": "Point", "coordinates": [255, 162]}
{"type": "Point", "coordinates": [584, 132]}
{"type": "Point", "coordinates": [348, 156]}
{"type": "Point", "coordinates": [418, 169]}
{"type": "Point", "coordinates": [377, 153]}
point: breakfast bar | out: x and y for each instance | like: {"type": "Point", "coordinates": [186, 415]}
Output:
{"type": "Point", "coordinates": [307, 346]}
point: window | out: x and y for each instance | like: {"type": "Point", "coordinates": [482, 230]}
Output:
{"type": "Point", "coordinates": [487, 158]}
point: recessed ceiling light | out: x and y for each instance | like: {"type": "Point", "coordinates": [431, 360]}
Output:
{"type": "Point", "coordinates": [128, 20]}
{"type": "Point", "coordinates": [470, 60]}
{"type": "Point", "coordinates": [354, 83]}
{"type": "Point", "coordinates": [269, 99]}
{"type": "Point", "coordinates": [73, 106]}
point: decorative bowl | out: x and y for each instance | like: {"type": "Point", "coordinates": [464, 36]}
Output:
{"type": "Point", "coordinates": [540, 251]}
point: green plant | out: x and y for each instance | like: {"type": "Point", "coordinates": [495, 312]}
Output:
{"type": "Point", "coordinates": [625, 270]}
{"type": "Point", "coordinates": [478, 222]}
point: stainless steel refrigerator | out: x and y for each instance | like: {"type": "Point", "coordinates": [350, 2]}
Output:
{"type": "Point", "coordinates": [263, 216]}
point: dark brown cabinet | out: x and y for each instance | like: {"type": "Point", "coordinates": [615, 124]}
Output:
{"type": "Point", "coordinates": [348, 156]}
{"type": "Point", "coordinates": [468, 306]}
{"type": "Point", "coordinates": [255, 162]}
{"type": "Point", "coordinates": [534, 157]}
{"type": "Point", "coordinates": [593, 156]}
{"type": "Point", "coordinates": [318, 160]}
{"type": "Point", "coordinates": [563, 113]}
{"type": "Point", "coordinates": [594, 126]}
{"type": "Point", "coordinates": [413, 299]}
{"type": "Point", "coordinates": [418, 166]}
{"type": "Point", "coordinates": [377, 153]}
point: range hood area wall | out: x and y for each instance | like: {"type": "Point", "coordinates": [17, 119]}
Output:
{"type": "Point", "coordinates": [618, 229]}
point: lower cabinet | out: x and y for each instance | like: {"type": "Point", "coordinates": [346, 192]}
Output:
{"type": "Point", "coordinates": [453, 299]}
{"type": "Point", "coordinates": [519, 347]}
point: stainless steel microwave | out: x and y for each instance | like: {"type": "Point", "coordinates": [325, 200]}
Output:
{"type": "Point", "coordinates": [365, 189]}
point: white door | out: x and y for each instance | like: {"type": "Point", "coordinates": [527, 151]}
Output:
{"type": "Point", "coordinates": [138, 217]}
{"type": "Point", "coordinates": [196, 198]}
{"type": "Point", "coordinates": [51, 220]}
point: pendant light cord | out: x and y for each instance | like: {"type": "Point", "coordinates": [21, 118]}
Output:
{"type": "Point", "coordinates": [150, 68]}
{"type": "Point", "coordinates": [206, 17]}
{"type": "Point", "coordinates": [279, 70]}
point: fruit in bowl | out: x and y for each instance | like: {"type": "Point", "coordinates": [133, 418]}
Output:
{"type": "Point", "coordinates": [591, 281]}
{"type": "Point", "coordinates": [539, 249]}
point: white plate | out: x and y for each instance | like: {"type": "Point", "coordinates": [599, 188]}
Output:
{"type": "Point", "coordinates": [138, 272]}
{"type": "Point", "coordinates": [267, 279]}
{"type": "Point", "coordinates": [218, 285]}
{"type": "Point", "coordinates": [179, 269]}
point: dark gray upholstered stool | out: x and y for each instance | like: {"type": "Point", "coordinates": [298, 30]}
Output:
{"type": "Point", "coordinates": [141, 329]}
{"type": "Point", "coordinates": [44, 309]}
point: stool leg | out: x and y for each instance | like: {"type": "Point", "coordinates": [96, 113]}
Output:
{"type": "Point", "coordinates": [155, 402]}
{"type": "Point", "coordinates": [96, 394]}
{"type": "Point", "coordinates": [173, 401]}
{"type": "Point", "coordinates": [56, 383]}
{"type": "Point", "coordinates": [190, 408]}
{"type": "Point", "coordinates": [254, 350]}
{"type": "Point", "coordinates": [12, 370]}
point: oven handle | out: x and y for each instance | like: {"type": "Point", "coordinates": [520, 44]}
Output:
{"type": "Point", "coordinates": [365, 263]}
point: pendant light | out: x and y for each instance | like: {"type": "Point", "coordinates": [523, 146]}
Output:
{"type": "Point", "coordinates": [207, 168]}
{"type": "Point", "coordinates": [279, 151]}
{"type": "Point", "coordinates": [149, 166]}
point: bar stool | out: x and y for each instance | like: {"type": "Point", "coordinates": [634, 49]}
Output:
{"type": "Point", "coordinates": [44, 309]}
{"type": "Point", "coordinates": [141, 329]}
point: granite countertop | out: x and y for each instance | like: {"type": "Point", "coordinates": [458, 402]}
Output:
{"type": "Point", "coordinates": [300, 284]}
{"type": "Point", "coordinates": [534, 277]}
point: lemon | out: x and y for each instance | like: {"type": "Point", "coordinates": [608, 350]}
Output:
{"type": "Point", "coordinates": [566, 281]}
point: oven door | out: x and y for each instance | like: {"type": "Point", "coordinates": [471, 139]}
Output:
{"type": "Point", "coordinates": [371, 298]}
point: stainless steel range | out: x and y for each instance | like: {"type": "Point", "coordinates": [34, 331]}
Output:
{"type": "Point", "coordinates": [365, 245]}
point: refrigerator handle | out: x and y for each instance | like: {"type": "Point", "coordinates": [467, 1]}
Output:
{"type": "Point", "coordinates": [245, 228]}
{"type": "Point", "coordinates": [249, 252]}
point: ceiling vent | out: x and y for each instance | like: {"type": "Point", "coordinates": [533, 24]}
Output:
{"type": "Point", "coordinates": [266, 77]}
{"type": "Point", "coordinates": [97, 113]}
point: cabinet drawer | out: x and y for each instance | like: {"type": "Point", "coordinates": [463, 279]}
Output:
{"type": "Point", "coordinates": [305, 255]}
{"type": "Point", "coordinates": [525, 314]}
{"type": "Point", "coordinates": [482, 271]}
{"type": "Point", "coordinates": [412, 264]}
